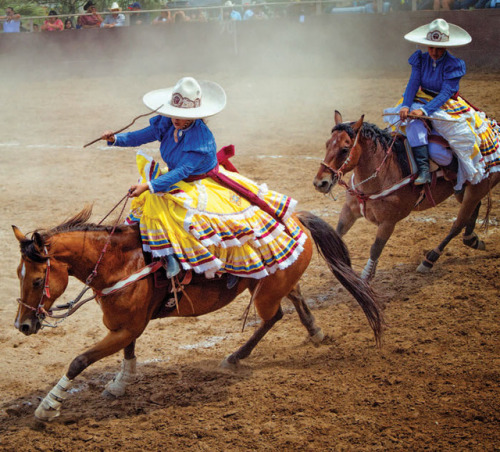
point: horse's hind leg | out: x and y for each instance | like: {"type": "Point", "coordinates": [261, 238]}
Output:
{"type": "Point", "coordinates": [470, 238]}
{"type": "Point", "coordinates": [244, 351]}
{"type": "Point", "coordinates": [306, 317]}
{"type": "Point", "coordinates": [466, 217]}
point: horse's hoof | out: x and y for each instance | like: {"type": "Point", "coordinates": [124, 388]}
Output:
{"type": "Point", "coordinates": [422, 268]}
{"type": "Point", "coordinates": [230, 363]}
{"type": "Point", "coordinates": [318, 337]}
{"type": "Point", "coordinates": [108, 395]}
{"type": "Point", "coordinates": [46, 414]}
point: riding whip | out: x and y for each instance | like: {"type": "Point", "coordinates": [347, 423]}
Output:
{"type": "Point", "coordinates": [126, 127]}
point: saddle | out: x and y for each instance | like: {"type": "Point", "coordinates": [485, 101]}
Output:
{"type": "Point", "coordinates": [173, 289]}
{"type": "Point", "coordinates": [409, 167]}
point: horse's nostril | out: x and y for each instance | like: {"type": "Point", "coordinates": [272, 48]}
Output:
{"type": "Point", "coordinates": [25, 329]}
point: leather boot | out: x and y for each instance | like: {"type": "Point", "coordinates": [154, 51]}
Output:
{"type": "Point", "coordinates": [231, 281]}
{"type": "Point", "coordinates": [173, 267]}
{"type": "Point", "coordinates": [421, 154]}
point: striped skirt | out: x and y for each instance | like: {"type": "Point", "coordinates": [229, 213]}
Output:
{"type": "Point", "coordinates": [473, 137]}
{"type": "Point", "coordinates": [211, 229]}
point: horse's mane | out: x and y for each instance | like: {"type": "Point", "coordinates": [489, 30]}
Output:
{"type": "Point", "coordinates": [368, 130]}
{"type": "Point", "coordinates": [376, 135]}
{"type": "Point", "coordinates": [79, 222]}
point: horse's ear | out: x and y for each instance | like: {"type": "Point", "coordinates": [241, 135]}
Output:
{"type": "Point", "coordinates": [37, 238]}
{"type": "Point", "coordinates": [19, 235]}
{"type": "Point", "coordinates": [338, 118]}
{"type": "Point", "coordinates": [358, 124]}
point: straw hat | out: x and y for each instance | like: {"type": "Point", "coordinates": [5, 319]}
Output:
{"type": "Point", "coordinates": [115, 7]}
{"type": "Point", "coordinates": [439, 33]}
{"type": "Point", "coordinates": [188, 99]}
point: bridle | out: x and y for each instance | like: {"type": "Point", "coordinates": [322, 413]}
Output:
{"type": "Point", "coordinates": [40, 311]}
{"type": "Point", "coordinates": [338, 173]}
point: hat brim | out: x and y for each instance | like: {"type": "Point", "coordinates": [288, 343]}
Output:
{"type": "Point", "coordinates": [212, 102]}
{"type": "Point", "coordinates": [458, 37]}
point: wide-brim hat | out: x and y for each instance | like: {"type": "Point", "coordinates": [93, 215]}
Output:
{"type": "Point", "coordinates": [439, 33]}
{"type": "Point", "coordinates": [188, 99]}
{"type": "Point", "coordinates": [115, 7]}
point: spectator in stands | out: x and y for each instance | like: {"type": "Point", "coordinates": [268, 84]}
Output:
{"type": "Point", "coordinates": [138, 17]}
{"type": "Point", "coordinates": [258, 11]}
{"type": "Point", "coordinates": [164, 17]}
{"type": "Point", "coordinates": [229, 13]}
{"type": "Point", "coordinates": [180, 16]}
{"type": "Point", "coordinates": [248, 14]}
{"type": "Point", "coordinates": [53, 23]}
{"type": "Point", "coordinates": [11, 21]}
{"type": "Point", "coordinates": [197, 15]}
{"type": "Point", "coordinates": [91, 19]}
{"type": "Point", "coordinates": [115, 19]}
{"type": "Point", "coordinates": [68, 24]}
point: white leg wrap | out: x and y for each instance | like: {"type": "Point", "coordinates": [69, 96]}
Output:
{"type": "Point", "coordinates": [49, 407]}
{"type": "Point", "coordinates": [123, 378]}
{"type": "Point", "coordinates": [369, 271]}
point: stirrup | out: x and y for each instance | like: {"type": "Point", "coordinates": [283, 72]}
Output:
{"type": "Point", "coordinates": [173, 267]}
{"type": "Point", "coordinates": [422, 179]}
{"type": "Point", "coordinates": [232, 280]}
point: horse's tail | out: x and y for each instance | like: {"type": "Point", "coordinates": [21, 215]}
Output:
{"type": "Point", "coordinates": [333, 249]}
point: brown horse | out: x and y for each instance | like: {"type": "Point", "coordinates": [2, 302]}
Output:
{"type": "Point", "coordinates": [383, 195]}
{"type": "Point", "coordinates": [48, 258]}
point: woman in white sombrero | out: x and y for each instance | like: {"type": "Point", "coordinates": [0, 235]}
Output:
{"type": "Point", "coordinates": [187, 213]}
{"type": "Point", "coordinates": [432, 91]}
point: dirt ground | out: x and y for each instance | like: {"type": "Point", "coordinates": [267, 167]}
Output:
{"type": "Point", "coordinates": [433, 385]}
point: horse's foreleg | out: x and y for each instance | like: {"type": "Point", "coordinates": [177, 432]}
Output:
{"type": "Point", "coordinates": [346, 219]}
{"type": "Point", "coordinates": [50, 406]}
{"type": "Point", "coordinates": [384, 232]}
{"type": "Point", "coordinates": [116, 387]}
{"type": "Point", "coordinates": [244, 351]}
{"type": "Point", "coordinates": [306, 317]}
{"type": "Point", "coordinates": [464, 218]}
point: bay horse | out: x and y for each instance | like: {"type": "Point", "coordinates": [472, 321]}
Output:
{"type": "Point", "coordinates": [381, 193]}
{"type": "Point", "coordinates": [49, 257]}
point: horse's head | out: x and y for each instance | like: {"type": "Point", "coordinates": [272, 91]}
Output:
{"type": "Point", "coordinates": [42, 278]}
{"type": "Point", "coordinates": [342, 153]}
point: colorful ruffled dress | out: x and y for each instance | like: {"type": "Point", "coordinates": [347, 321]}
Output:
{"type": "Point", "coordinates": [208, 227]}
{"type": "Point", "coordinates": [473, 137]}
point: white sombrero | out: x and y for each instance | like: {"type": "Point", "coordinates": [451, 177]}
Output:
{"type": "Point", "coordinates": [439, 33]}
{"type": "Point", "coordinates": [188, 99]}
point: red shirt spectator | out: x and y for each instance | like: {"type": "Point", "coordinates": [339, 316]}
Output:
{"type": "Point", "coordinates": [92, 19]}
{"type": "Point", "coordinates": [53, 23]}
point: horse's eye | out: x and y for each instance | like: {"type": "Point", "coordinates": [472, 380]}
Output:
{"type": "Point", "coordinates": [344, 151]}
{"type": "Point", "coordinates": [37, 283]}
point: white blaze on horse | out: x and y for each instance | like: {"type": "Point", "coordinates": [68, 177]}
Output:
{"type": "Point", "coordinates": [48, 258]}
{"type": "Point", "coordinates": [379, 190]}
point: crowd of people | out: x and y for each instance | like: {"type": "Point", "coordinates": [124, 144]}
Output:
{"type": "Point", "coordinates": [247, 10]}
{"type": "Point", "coordinates": [171, 13]}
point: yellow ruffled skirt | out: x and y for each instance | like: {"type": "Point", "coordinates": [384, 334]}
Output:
{"type": "Point", "coordinates": [211, 229]}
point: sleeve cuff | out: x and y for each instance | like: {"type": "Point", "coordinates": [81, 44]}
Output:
{"type": "Point", "coordinates": [151, 189]}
